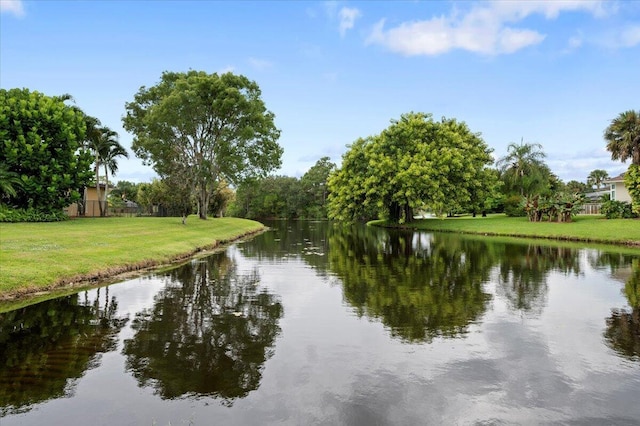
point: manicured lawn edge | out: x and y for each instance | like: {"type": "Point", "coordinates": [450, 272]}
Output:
{"type": "Point", "coordinates": [129, 247]}
{"type": "Point", "coordinates": [586, 229]}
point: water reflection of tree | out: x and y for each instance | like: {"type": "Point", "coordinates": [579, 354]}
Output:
{"type": "Point", "coordinates": [623, 326]}
{"type": "Point", "coordinates": [209, 332]}
{"type": "Point", "coordinates": [524, 269]}
{"type": "Point", "coordinates": [419, 286]}
{"type": "Point", "coordinates": [45, 346]}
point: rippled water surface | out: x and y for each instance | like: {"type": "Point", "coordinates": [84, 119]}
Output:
{"type": "Point", "coordinates": [312, 324]}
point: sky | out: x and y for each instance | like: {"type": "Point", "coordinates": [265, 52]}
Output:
{"type": "Point", "coordinates": [549, 72]}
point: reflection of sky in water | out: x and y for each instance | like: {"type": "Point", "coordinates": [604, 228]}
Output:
{"type": "Point", "coordinates": [332, 367]}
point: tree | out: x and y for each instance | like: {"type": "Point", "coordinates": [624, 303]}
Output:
{"type": "Point", "coordinates": [623, 137]}
{"type": "Point", "coordinates": [105, 146]}
{"type": "Point", "coordinates": [523, 169]}
{"type": "Point", "coordinates": [125, 190]}
{"type": "Point", "coordinates": [314, 189]}
{"type": "Point", "coordinates": [202, 128]}
{"type": "Point", "coordinates": [574, 186]}
{"type": "Point", "coordinates": [415, 162]}
{"type": "Point", "coordinates": [597, 177]}
{"type": "Point", "coordinates": [40, 141]}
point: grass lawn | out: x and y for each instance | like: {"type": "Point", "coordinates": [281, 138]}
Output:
{"type": "Point", "coordinates": [39, 256]}
{"type": "Point", "coordinates": [583, 228]}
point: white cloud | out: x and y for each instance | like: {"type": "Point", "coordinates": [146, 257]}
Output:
{"type": "Point", "coordinates": [260, 64]}
{"type": "Point", "coordinates": [347, 18]}
{"type": "Point", "coordinates": [486, 28]}
{"type": "Point", "coordinates": [12, 6]}
{"type": "Point", "coordinates": [630, 37]}
{"type": "Point", "coordinates": [228, 68]}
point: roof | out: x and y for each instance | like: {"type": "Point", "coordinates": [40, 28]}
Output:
{"type": "Point", "coordinates": [619, 178]}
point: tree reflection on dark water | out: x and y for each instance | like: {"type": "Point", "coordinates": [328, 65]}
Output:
{"type": "Point", "coordinates": [419, 288]}
{"type": "Point", "coordinates": [623, 327]}
{"type": "Point", "coordinates": [208, 333]}
{"type": "Point", "coordinates": [46, 346]}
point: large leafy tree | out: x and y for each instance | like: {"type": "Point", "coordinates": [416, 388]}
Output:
{"type": "Point", "coordinates": [41, 142]}
{"type": "Point", "coordinates": [416, 162]}
{"type": "Point", "coordinates": [314, 189]}
{"type": "Point", "coordinates": [202, 128]}
{"type": "Point", "coordinates": [523, 169]}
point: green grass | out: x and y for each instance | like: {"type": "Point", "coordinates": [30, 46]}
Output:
{"type": "Point", "coordinates": [593, 229]}
{"type": "Point", "coordinates": [40, 256]}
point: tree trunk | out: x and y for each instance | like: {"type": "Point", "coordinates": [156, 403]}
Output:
{"type": "Point", "coordinates": [98, 185]}
{"type": "Point", "coordinates": [203, 202]}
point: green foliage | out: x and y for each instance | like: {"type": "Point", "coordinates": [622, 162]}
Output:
{"type": "Point", "coordinates": [617, 210]}
{"type": "Point", "coordinates": [199, 129]}
{"type": "Point", "coordinates": [271, 197]}
{"type": "Point", "coordinates": [415, 163]}
{"type": "Point", "coordinates": [596, 178]}
{"type": "Point", "coordinates": [314, 190]}
{"type": "Point", "coordinates": [523, 170]}
{"type": "Point", "coordinates": [623, 137]}
{"type": "Point", "coordinates": [9, 214]}
{"type": "Point", "coordinates": [514, 207]}
{"type": "Point", "coordinates": [124, 190]}
{"type": "Point", "coordinates": [632, 182]}
{"type": "Point", "coordinates": [40, 141]}
{"type": "Point", "coordinates": [573, 186]}
{"type": "Point", "coordinates": [559, 207]}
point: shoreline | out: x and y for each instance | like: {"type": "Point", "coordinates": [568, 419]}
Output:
{"type": "Point", "coordinates": [115, 274]}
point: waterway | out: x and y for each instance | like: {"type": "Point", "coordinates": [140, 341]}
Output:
{"type": "Point", "coordinates": [316, 324]}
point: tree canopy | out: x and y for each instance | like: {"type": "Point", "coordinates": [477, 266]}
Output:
{"type": "Point", "coordinates": [41, 150]}
{"type": "Point", "coordinates": [623, 137]}
{"type": "Point", "coordinates": [415, 163]}
{"type": "Point", "coordinates": [202, 128]}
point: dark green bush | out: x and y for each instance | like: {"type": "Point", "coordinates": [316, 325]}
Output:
{"type": "Point", "coordinates": [513, 206]}
{"type": "Point", "coordinates": [8, 214]}
{"type": "Point", "coordinates": [617, 210]}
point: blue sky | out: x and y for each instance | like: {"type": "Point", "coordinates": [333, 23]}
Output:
{"type": "Point", "coordinates": [549, 72]}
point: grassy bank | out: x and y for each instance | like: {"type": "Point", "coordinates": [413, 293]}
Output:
{"type": "Point", "coordinates": [584, 228]}
{"type": "Point", "coordinates": [42, 256]}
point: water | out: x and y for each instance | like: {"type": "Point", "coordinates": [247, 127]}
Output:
{"type": "Point", "coordinates": [311, 324]}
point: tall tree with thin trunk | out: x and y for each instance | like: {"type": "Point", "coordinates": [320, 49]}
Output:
{"type": "Point", "coordinates": [623, 137]}
{"type": "Point", "coordinates": [597, 177]}
{"type": "Point", "coordinates": [523, 162]}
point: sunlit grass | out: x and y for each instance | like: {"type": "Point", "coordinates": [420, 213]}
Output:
{"type": "Point", "coordinates": [38, 255]}
{"type": "Point", "coordinates": [582, 228]}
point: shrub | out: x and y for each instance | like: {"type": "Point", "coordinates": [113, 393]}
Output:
{"type": "Point", "coordinates": [513, 206]}
{"type": "Point", "coordinates": [617, 210]}
{"type": "Point", "coordinates": [8, 214]}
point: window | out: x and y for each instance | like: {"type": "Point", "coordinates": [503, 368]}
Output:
{"type": "Point", "coordinates": [613, 192]}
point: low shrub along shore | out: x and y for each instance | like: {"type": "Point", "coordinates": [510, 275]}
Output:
{"type": "Point", "coordinates": [41, 256]}
{"type": "Point", "coordinates": [593, 229]}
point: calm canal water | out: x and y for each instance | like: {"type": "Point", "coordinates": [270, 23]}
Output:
{"type": "Point", "coordinates": [312, 324]}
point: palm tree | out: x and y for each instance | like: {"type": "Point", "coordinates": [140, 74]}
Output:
{"type": "Point", "coordinates": [111, 150]}
{"type": "Point", "coordinates": [522, 160]}
{"type": "Point", "coordinates": [596, 177]}
{"type": "Point", "coordinates": [623, 137]}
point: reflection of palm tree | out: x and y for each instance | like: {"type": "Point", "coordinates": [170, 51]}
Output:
{"type": "Point", "coordinates": [35, 369]}
{"type": "Point", "coordinates": [623, 327]}
{"type": "Point", "coordinates": [209, 333]}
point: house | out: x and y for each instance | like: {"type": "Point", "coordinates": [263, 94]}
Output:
{"type": "Point", "coordinates": [89, 206]}
{"type": "Point", "coordinates": [617, 189]}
